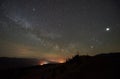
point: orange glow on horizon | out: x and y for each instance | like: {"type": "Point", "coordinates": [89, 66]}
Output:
{"type": "Point", "coordinates": [61, 61]}
{"type": "Point", "coordinates": [52, 61]}
{"type": "Point", "coordinates": [43, 62]}
{"type": "Point", "coordinates": [58, 60]}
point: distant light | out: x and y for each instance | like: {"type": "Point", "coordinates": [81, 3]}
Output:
{"type": "Point", "coordinates": [43, 62]}
{"type": "Point", "coordinates": [61, 61]}
{"type": "Point", "coordinates": [58, 60]}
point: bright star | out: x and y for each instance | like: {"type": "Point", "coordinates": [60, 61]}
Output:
{"type": "Point", "coordinates": [107, 29]}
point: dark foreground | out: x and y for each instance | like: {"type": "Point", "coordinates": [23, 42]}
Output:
{"type": "Point", "coordinates": [104, 66]}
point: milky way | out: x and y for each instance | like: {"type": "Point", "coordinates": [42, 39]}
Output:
{"type": "Point", "coordinates": [54, 29]}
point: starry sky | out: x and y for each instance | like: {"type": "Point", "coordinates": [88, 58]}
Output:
{"type": "Point", "coordinates": [58, 29]}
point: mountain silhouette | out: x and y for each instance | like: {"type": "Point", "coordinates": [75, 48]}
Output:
{"type": "Point", "coordinates": [102, 66]}
{"type": "Point", "coordinates": [12, 63]}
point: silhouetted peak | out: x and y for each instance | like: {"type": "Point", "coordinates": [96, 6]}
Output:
{"type": "Point", "coordinates": [78, 59]}
{"type": "Point", "coordinates": [74, 59]}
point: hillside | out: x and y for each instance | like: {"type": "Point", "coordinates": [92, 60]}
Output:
{"type": "Point", "coordinates": [103, 66]}
{"type": "Point", "coordinates": [12, 63]}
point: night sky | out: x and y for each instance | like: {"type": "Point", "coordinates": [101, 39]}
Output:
{"type": "Point", "coordinates": [58, 29]}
